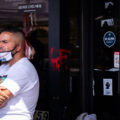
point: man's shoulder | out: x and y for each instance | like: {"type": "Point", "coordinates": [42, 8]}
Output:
{"type": "Point", "coordinates": [23, 65]}
{"type": "Point", "coordinates": [24, 62]}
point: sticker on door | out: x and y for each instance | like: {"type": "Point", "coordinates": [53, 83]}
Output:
{"type": "Point", "coordinates": [107, 87]}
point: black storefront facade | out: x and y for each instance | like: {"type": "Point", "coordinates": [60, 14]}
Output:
{"type": "Point", "coordinates": [70, 85]}
{"type": "Point", "coordinates": [95, 78]}
{"type": "Point", "coordinates": [78, 72]}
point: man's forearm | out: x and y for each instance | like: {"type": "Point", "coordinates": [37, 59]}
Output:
{"type": "Point", "coordinates": [4, 96]}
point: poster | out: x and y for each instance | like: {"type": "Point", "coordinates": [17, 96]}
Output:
{"type": "Point", "coordinates": [107, 87]}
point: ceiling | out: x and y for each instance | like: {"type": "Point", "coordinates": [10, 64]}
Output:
{"type": "Point", "coordinates": [9, 10]}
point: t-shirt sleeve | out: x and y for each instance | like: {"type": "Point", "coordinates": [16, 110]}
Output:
{"type": "Point", "coordinates": [11, 85]}
{"type": "Point", "coordinates": [15, 81]}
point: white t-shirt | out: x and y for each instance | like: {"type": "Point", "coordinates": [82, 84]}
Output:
{"type": "Point", "coordinates": [22, 80]}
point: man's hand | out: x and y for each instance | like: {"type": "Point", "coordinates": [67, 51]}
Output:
{"type": "Point", "coordinates": [5, 94]}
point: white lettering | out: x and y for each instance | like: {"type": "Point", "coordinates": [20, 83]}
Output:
{"type": "Point", "coordinates": [31, 6]}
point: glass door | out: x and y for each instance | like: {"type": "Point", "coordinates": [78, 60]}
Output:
{"type": "Point", "coordinates": [106, 59]}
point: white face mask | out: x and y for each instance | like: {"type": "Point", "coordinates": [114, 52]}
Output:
{"type": "Point", "coordinates": [5, 56]}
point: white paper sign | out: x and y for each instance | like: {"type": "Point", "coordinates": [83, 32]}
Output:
{"type": "Point", "coordinates": [107, 87]}
{"type": "Point", "coordinates": [117, 59]}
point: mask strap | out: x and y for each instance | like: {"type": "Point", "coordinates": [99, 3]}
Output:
{"type": "Point", "coordinates": [12, 50]}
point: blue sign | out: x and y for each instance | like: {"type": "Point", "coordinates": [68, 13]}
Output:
{"type": "Point", "coordinates": [109, 39]}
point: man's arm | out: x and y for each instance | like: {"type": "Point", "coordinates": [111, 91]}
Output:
{"type": "Point", "coordinates": [5, 95]}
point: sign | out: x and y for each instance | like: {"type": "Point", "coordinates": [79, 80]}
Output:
{"type": "Point", "coordinates": [41, 115]}
{"type": "Point", "coordinates": [110, 22]}
{"type": "Point", "coordinates": [31, 7]}
{"type": "Point", "coordinates": [107, 4]}
{"type": "Point", "coordinates": [107, 87]}
{"type": "Point", "coordinates": [109, 39]}
{"type": "Point", "coordinates": [117, 59]}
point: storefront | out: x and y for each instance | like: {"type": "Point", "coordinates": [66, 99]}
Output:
{"type": "Point", "coordinates": [70, 32]}
{"type": "Point", "coordinates": [32, 17]}
{"type": "Point", "coordinates": [106, 59]}
{"type": "Point", "coordinates": [88, 33]}
{"type": "Point", "coordinates": [77, 54]}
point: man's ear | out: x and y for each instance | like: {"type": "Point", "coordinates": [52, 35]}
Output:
{"type": "Point", "coordinates": [19, 47]}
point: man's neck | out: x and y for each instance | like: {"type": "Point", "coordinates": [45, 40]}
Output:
{"type": "Point", "coordinates": [15, 59]}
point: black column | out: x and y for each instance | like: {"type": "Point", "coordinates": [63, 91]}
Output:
{"type": "Point", "coordinates": [58, 59]}
{"type": "Point", "coordinates": [86, 64]}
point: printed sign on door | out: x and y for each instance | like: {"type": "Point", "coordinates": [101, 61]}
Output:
{"type": "Point", "coordinates": [109, 39]}
{"type": "Point", "coordinates": [107, 87]}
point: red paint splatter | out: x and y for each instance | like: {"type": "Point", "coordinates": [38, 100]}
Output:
{"type": "Point", "coordinates": [57, 63]}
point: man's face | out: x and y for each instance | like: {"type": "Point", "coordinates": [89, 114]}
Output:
{"type": "Point", "coordinates": [7, 41]}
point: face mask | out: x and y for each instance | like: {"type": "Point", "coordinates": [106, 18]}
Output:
{"type": "Point", "coordinates": [5, 56]}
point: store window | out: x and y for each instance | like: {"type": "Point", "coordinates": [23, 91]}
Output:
{"type": "Point", "coordinates": [106, 62]}
{"type": "Point", "coordinates": [32, 17]}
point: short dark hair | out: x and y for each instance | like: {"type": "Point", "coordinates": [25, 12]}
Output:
{"type": "Point", "coordinates": [12, 29]}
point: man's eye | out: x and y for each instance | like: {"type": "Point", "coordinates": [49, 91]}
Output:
{"type": "Point", "coordinates": [5, 41]}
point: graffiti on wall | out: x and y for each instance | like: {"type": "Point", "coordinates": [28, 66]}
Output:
{"type": "Point", "coordinates": [61, 61]}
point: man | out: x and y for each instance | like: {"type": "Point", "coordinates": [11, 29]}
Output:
{"type": "Point", "coordinates": [19, 83]}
